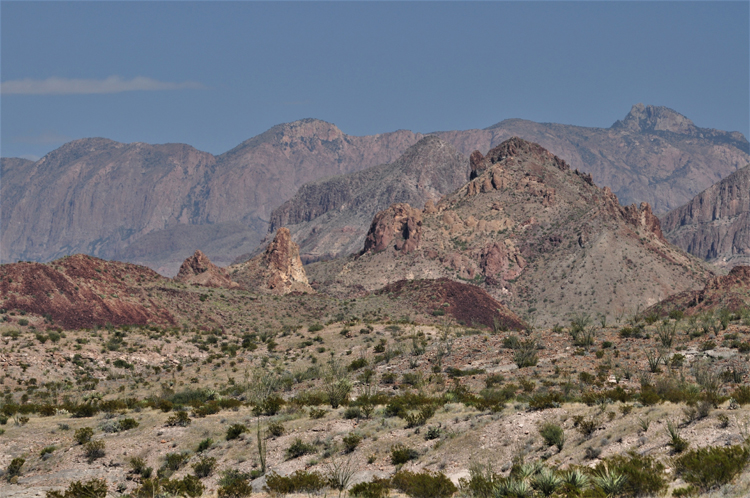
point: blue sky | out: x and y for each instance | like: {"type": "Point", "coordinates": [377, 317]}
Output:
{"type": "Point", "coordinates": [213, 74]}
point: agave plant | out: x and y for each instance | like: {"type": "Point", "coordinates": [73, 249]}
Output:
{"type": "Point", "coordinates": [576, 480]}
{"type": "Point", "coordinates": [610, 482]}
{"type": "Point", "coordinates": [546, 481]}
{"type": "Point", "coordinates": [527, 470]}
{"type": "Point", "coordinates": [513, 488]}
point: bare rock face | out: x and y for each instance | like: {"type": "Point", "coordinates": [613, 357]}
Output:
{"type": "Point", "coordinates": [715, 225]}
{"type": "Point", "coordinates": [278, 270]}
{"type": "Point", "coordinates": [643, 217]}
{"type": "Point", "coordinates": [399, 226]}
{"type": "Point", "coordinates": [199, 270]}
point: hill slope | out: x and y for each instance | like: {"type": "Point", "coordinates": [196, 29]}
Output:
{"type": "Point", "coordinates": [539, 237]}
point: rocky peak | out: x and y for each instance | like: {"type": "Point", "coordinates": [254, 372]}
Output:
{"type": "Point", "coordinates": [642, 118]}
{"type": "Point", "coordinates": [643, 217]}
{"type": "Point", "coordinates": [199, 270]}
{"type": "Point", "coordinates": [400, 222]}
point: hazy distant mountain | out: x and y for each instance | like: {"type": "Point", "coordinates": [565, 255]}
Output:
{"type": "Point", "coordinates": [157, 204]}
{"type": "Point", "coordinates": [715, 225]}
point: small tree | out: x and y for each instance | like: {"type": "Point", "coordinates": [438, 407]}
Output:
{"type": "Point", "coordinates": [336, 383]}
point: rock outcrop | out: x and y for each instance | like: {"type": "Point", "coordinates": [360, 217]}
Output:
{"type": "Point", "coordinates": [199, 270]}
{"type": "Point", "coordinates": [399, 227]}
{"type": "Point", "coordinates": [715, 225]}
{"type": "Point", "coordinates": [278, 270]}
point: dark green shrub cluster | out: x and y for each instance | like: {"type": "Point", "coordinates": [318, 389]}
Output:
{"type": "Point", "coordinates": [94, 450]}
{"type": "Point", "coordinates": [401, 454]}
{"type": "Point", "coordinates": [234, 484]}
{"type": "Point", "coordinates": [95, 488]}
{"type": "Point", "coordinates": [276, 429]}
{"type": "Point", "coordinates": [644, 476]}
{"type": "Point", "coordinates": [710, 467]}
{"type": "Point", "coordinates": [179, 419]}
{"type": "Point", "coordinates": [189, 486]}
{"type": "Point", "coordinates": [300, 481]}
{"type": "Point", "coordinates": [234, 431]}
{"type": "Point", "coordinates": [424, 484]}
{"type": "Point", "coordinates": [299, 448]}
{"type": "Point", "coordinates": [204, 445]}
{"type": "Point", "coordinates": [377, 488]}
{"type": "Point", "coordinates": [553, 435]}
{"type": "Point", "coordinates": [269, 406]}
{"type": "Point", "coordinates": [351, 441]}
{"type": "Point", "coordinates": [545, 400]}
{"type": "Point", "coordinates": [83, 435]}
{"type": "Point", "coordinates": [419, 418]}
{"type": "Point", "coordinates": [204, 467]}
{"type": "Point", "coordinates": [175, 461]}
{"type": "Point", "coordinates": [14, 468]}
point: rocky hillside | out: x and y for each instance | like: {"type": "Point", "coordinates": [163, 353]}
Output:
{"type": "Point", "coordinates": [538, 236]}
{"type": "Point", "coordinates": [156, 204]}
{"type": "Point", "coordinates": [715, 225]}
{"type": "Point", "coordinates": [329, 218]}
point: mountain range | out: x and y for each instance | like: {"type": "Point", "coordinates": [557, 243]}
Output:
{"type": "Point", "coordinates": [156, 204]}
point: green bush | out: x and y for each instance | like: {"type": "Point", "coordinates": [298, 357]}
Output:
{"type": "Point", "coordinates": [204, 467]}
{"type": "Point", "coordinates": [351, 441]}
{"type": "Point", "coordinates": [377, 488]}
{"type": "Point", "coordinates": [269, 406]}
{"type": "Point", "coordinates": [299, 448]}
{"type": "Point", "coordinates": [710, 467]}
{"type": "Point", "coordinates": [276, 429]}
{"type": "Point", "coordinates": [401, 454]}
{"type": "Point", "coordinates": [234, 431]}
{"type": "Point", "coordinates": [85, 410]}
{"type": "Point", "coordinates": [138, 465]}
{"type": "Point", "coordinates": [14, 468]}
{"type": "Point", "coordinates": [83, 435]}
{"type": "Point", "coordinates": [95, 488]}
{"type": "Point", "coordinates": [553, 435]}
{"type": "Point", "coordinates": [128, 423]}
{"type": "Point", "coordinates": [544, 401]}
{"type": "Point", "coordinates": [300, 481]}
{"type": "Point", "coordinates": [189, 486]}
{"type": "Point", "coordinates": [175, 461]}
{"type": "Point", "coordinates": [234, 484]}
{"type": "Point", "coordinates": [47, 450]}
{"type": "Point", "coordinates": [204, 445]}
{"type": "Point", "coordinates": [423, 485]}
{"type": "Point", "coordinates": [179, 419]}
{"type": "Point", "coordinates": [94, 450]}
{"type": "Point", "coordinates": [644, 476]}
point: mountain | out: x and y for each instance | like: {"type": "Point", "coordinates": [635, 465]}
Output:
{"type": "Point", "coordinates": [329, 218]}
{"type": "Point", "coordinates": [715, 225]}
{"type": "Point", "coordinates": [653, 155]}
{"type": "Point", "coordinates": [156, 204]}
{"type": "Point", "coordinates": [541, 238]}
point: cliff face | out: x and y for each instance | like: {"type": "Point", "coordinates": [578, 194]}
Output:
{"type": "Point", "coordinates": [539, 237]}
{"type": "Point", "coordinates": [199, 270]}
{"type": "Point", "coordinates": [330, 218]}
{"type": "Point", "coordinates": [715, 225]}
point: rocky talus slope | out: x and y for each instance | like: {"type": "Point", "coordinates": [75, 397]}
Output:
{"type": "Point", "coordinates": [329, 218]}
{"type": "Point", "coordinates": [715, 225]}
{"type": "Point", "coordinates": [541, 238]}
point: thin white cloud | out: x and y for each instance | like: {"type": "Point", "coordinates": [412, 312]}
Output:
{"type": "Point", "coordinates": [49, 137]}
{"type": "Point", "coordinates": [113, 84]}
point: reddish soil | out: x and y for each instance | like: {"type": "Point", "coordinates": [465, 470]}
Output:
{"type": "Point", "coordinates": [82, 291]}
{"type": "Point", "coordinates": [468, 304]}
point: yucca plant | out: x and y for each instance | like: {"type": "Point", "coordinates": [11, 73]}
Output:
{"type": "Point", "coordinates": [546, 481]}
{"type": "Point", "coordinates": [610, 482]}
{"type": "Point", "coordinates": [576, 480]}
{"type": "Point", "coordinates": [677, 443]}
{"type": "Point", "coordinates": [513, 488]}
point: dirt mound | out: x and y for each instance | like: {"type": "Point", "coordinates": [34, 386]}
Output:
{"type": "Point", "coordinates": [731, 291]}
{"type": "Point", "coordinates": [82, 291]}
{"type": "Point", "coordinates": [468, 304]}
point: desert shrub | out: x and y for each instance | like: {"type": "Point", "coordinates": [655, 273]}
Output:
{"type": "Point", "coordinates": [95, 488]}
{"type": "Point", "coordinates": [742, 395]}
{"type": "Point", "coordinates": [424, 484]}
{"type": "Point", "coordinates": [676, 441]}
{"type": "Point", "coordinates": [14, 468]}
{"type": "Point", "coordinates": [85, 410]}
{"type": "Point", "coordinates": [189, 486]}
{"type": "Point", "coordinates": [315, 327]}
{"type": "Point", "coordinates": [525, 355]}
{"type": "Point", "coordinates": [269, 406]}
{"type": "Point", "coordinates": [175, 461]}
{"type": "Point", "coordinates": [127, 424]}
{"type": "Point", "coordinates": [432, 433]}
{"type": "Point", "coordinates": [352, 412]}
{"type": "Point", "coordinates": [317, 413]}
{"type": "Point", "coordinates": [553, 435]}
{"type": "Point", "coordinates": [710, 467]}
{"type": "Point", "coordinates": [178, 419]}
{"type": "Point", "coordinates": [481, 483]}
{"type": "Point", "coordinates": [234, 484]}
{"type": "Point", "coordinates": [204, 467]}
{"type": "Point", "coordinates": [234, 431]}
{"type": "Point", "coordinates": [94, 450]}
{"type": "Point", "coordinates": [138, 465]}
{"type": "Point", "coordinates": [377, 488]}
{"type": "Point", "coordinates": [585, 425]}
{"type": "Point", "coordinates": [299, 448]}
{"type": "Point", "coordinates": [400, 406]}
{"type": "Point", "coordinates": [204, 445]}
{"type": "Point", "coordinates": [419, 418]}
{"type": "Point", "coordinates": [493, 380]}
{"type": "Point", "coordinates": [644, 476]}
{"type": "Point", "coordinates": [357, 364]}
{"type": "Point", "coordinates": [543, 401]}
{"type": "Point", "coordinates": [47, 410]}
{"type": "Point", "coordinates": [351, 441]}
{"type": "Point", "coordinates": [276, 429]}
{"type": "Point", "coordinates": [401, 454]}
{"type": "Point", "coordinates": [300, 481]}
{"type": "Point", "coordinates": [83, 435]}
